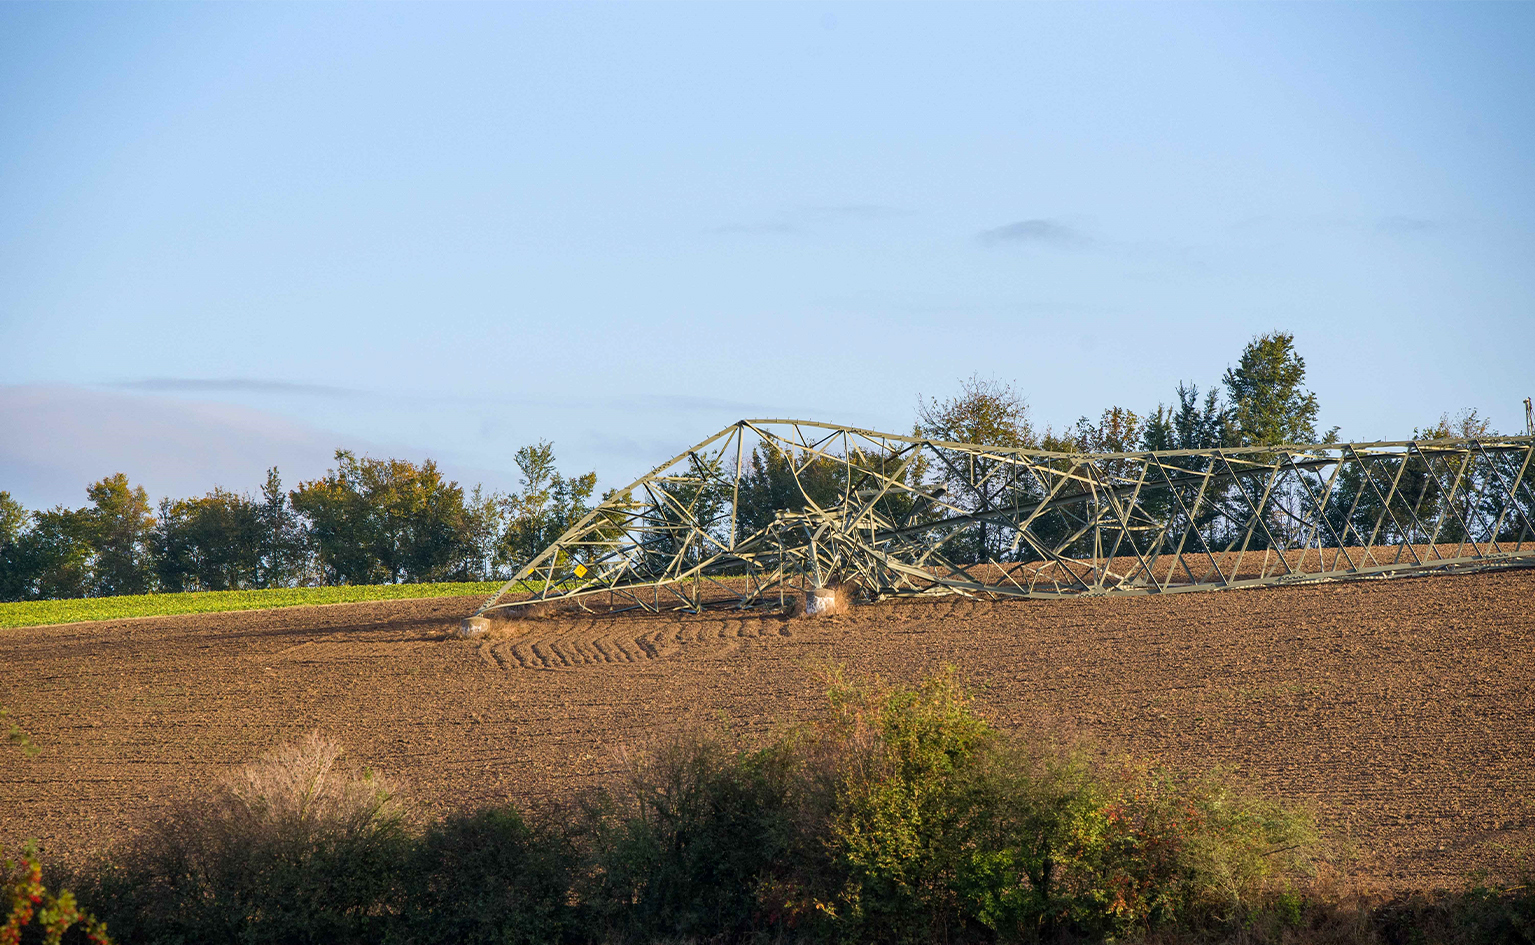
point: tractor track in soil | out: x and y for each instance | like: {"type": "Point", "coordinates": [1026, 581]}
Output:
{"type": "Point", "coordinates": [1403, 711]}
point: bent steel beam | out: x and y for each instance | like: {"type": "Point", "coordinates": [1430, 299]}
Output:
{"type": "Point", "coordinates": [764, 507]}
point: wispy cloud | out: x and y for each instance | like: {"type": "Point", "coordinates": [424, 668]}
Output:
{"type": "Point", "coordinates": [1034, 232]}
{"type": "Point", "coordinates": [58, 438]}
{"type": "Point", "coordinates": [248, 385]}
{"type": "Point", "coordinates": [1406, 225]}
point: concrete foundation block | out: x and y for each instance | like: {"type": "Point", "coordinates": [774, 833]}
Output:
{"type": "Point", "coordinates": [473, 627]}
{"type": "Point", "coordinates": [821, 602]}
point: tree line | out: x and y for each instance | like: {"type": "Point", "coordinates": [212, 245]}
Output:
{"type": "Point", "coordinates": [373, 521]}
{"type": "Point", "coordinates": [367, 521]}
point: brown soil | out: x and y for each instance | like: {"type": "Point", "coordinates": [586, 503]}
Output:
{"type": "Point", "coordinates": [1403, 711]}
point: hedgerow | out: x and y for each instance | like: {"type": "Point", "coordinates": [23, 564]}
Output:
{"type": "Point", "coordinates": [900, 816]}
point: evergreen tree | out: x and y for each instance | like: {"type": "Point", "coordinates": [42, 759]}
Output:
{"type": "Point", "coordinates": [777, 480]}
{"type": "Point", "coordinates": [1189, 426]}
{"type": "Point", "coordinates": [1269, 402]}
{"type": "Point", "coordinates": [286, 557]}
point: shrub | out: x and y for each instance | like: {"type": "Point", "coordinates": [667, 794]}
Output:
{"type": "Point", "coordinates": [1152, 848]}
{"type": "Point", "coordinates": [891, 779]}
{"type": "Point", "coordinates": [30, 907]}
{"type": "Point", "coordinates": [1490, 909]}
{"type": "Point", "coordinates": [921, 822]}
{"type": "Point", "coordinates": [486, 876]}
{"type": "Point", "coordinates": [297, 847]}
{"type": "Point", "coordinates": [682, 848]}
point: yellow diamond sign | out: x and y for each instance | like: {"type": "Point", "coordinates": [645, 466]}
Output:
{"type": "Point", "coordinates": [580, 570]}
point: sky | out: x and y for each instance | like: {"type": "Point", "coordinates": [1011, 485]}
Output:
{"type": "Point", "coordinates": [237, 236]}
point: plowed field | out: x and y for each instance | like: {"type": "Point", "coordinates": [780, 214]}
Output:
{"type": "Point", "coordinates": [1404, 710]}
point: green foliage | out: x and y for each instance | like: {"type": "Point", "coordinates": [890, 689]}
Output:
{"type": "Point", "coordinates": [899, 816]}
{"type": "Point", "coordinates": [1468, 424]}
{"type": "Point", "coordinates": [376, 521]}
{"type": "Point", "coordinates": [211, 543]}
{"type": "Point", "coordinates": [984, 411]}
{"type": "Point", "coordinates": [15, 734]}
{"type": "Point", "coordinates": [227, 541]}
{"type": "Point", "coordinates": [1189, 426]}
{"type": "Point", "coordinates": [902, 816]}
{"type": "Point", "coordinates": [13, 519]}
{"type": "Point", "coordinates": [283, 539]}
{"type": "Point", "coordinates": [15, 570]}
{"type": "Point", "coordinates": [1117, 431]}
{"type": "Point", "coordinates": [1484, 912]}
{"type": "Point", "coordinates": [775, 480]}
{"type": "Point", "coordinates": [98, 550]}
{"type": "Point", "coordinates": [35, 914]}
{"type": "Point", "coordinates": [1269, 403]}
{"type": "Point", "coordinates": [548, 505]}
{"type": "Point", "coordinates": [684, 846]}
{"type": "Point", "coordinates": [933, 826]}
{"type": "Point", "coordinates": [41, 613]}
{"type": "Point", "coordinates": [50, 559]}
{"type": "Point", "coordinates": [988, 412]}
{"type": "Point", "coordinates": [899, 812]}
{"type": "Point", "coordinates": [118, 526]}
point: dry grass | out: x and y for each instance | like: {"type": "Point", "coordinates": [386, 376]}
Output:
{"type": "Point", "coordinates": [310, 781]}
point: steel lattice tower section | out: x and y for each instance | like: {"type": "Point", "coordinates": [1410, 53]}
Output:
{"type": "Point", "coordinates": [764, 508]}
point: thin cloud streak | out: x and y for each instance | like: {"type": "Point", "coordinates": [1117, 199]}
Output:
{"type": "Point", "coordinates": [60, 438]}
{"type": "Point", "coordinates": [1037, 232]}
{"type": "Point", "coordinates": [241, 385]}
{"type": "Point", "coordinates": [1407, 225]}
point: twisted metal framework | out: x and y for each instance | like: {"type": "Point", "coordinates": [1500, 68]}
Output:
{"type": "Point", "coordinates": [768, 506]}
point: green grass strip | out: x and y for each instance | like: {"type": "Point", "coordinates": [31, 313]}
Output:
{"type": "Point", "coordinates": [42, 612]}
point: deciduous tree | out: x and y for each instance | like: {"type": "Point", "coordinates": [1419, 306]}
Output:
{"type": "Point", "coordinates": [387, 521]}
{"type": "Point", "coordinates": [212, 543]}
{"type": "Point", "coordinates": [119, 522]}
{"type": "Point", "coordinates": [548, 504]}
{"type": "Point", "coordinates": [987, 412]}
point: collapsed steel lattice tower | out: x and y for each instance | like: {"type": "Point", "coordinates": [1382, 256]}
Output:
{"type": "Point", "coordinates": [768, 506]}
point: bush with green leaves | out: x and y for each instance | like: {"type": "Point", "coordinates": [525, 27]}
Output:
{"type": "Point", "coordinates": [922, 822]}
{"type": "Point", "coordinates": [903, 816]}
{"type": "Point", "coordinates": [35, 914]}
{"type": "Point", "coordinates": [682, 847]}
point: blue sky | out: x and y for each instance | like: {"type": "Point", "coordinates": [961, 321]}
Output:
{"type": "Point", "coordinates": [239, 235]}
